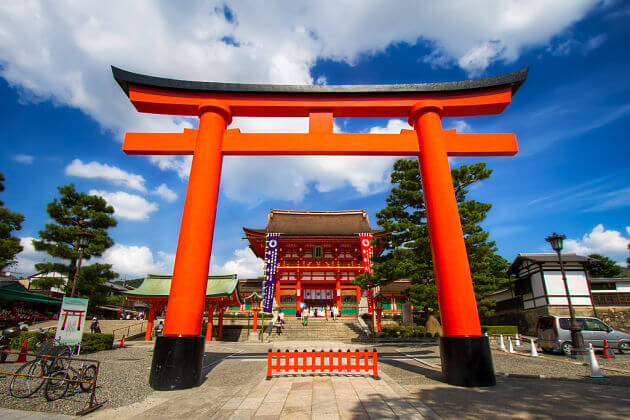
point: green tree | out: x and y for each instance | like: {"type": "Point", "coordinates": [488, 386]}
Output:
{"type": "Point", "coordinates": [73, 213]}
{"type": "Point", "coordinates": [407, 251]}
{"type": "Point", "coordinates": [9, 223]}
{"type": "Point", "coordinates": [600, 266]}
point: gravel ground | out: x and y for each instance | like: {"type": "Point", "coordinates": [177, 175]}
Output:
{"type": "Point", "coordinates": [123, 379]}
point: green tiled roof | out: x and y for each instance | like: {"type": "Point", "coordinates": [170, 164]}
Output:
{"type": "Point", "coordinates": [159, 285]}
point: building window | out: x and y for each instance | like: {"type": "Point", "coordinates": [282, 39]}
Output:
{"type": "Point", "coordinates": [318, 251]}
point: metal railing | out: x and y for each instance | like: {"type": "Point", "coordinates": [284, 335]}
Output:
{"type": "Point", "coordinates": [128, 329]}
{"type": "Point", "coordinates": [93, 403]}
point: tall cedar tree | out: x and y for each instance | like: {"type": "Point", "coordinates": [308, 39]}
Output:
{"type": "Point", "coordinates": [600, 266]}
{"type": "Point", "coordinates": [9, 222]}
{"type": "Point", "coordinates": [76, 212]}
{"type": "Point", "coordinates": [407, 251]}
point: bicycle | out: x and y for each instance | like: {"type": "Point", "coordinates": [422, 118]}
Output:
{"type": "Point", "coordinates": [32, 375]}
{"type": "Point", "coordinates": [61, 381]}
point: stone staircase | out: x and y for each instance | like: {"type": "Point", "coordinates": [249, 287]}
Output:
{"type": "Point", "coordinates": [320, 329]}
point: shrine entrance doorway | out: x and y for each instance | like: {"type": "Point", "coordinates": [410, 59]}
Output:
{"type": "Point", "coordinates": [465, 352]}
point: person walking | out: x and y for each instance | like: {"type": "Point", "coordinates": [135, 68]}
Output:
{"type": "Point", "coordinates": [159, 328]}
{"type": "Point", "coordinates": [95, 328]}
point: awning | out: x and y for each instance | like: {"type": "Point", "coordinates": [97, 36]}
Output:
{"type": "Point", "coordinates": [15, 291]}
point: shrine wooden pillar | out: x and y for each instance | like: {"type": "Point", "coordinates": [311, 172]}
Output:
{"type": "Point", "coordinates": [182, 339]}
{"type": "Point", "coordinates": [220, 331]}
{"type": "Point", "coordinates": [465, 353]}
{"type": "Point", "coordinates": [255, 327]}
{"type": "Point", "coordinates": [147, 334]}
{"type": "Point", "coordinates": [210, 321]}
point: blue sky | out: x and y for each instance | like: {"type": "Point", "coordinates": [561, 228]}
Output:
{"type": "Point", "coordinates": [63, 116]}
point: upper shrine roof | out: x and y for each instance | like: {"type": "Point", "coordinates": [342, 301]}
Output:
{"type": "Point", "coordinates": [316, 223]}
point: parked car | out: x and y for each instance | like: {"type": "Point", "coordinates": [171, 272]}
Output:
{"type": "Point", "coordinates": [554, 335]}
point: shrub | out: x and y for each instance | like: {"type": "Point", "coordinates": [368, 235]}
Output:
{"type": "Point", "coordinates": [499, 329]}
{"type": "Point", "coordinates": [96, 342]}
{"type": "Point", "coordinates": [407, 332]}
{"type": "Point", "coordinates": [437, 334]}
{"type": "Point", "coordinates": [90, 342]}
{"type": "Point", "coordinates": [18, 342]}
{"type": "Point", "coordinates": [428, 334]}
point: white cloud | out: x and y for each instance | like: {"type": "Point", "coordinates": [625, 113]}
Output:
{"type": "Point", "coordinates": [165, 192]}
{"type": "Point", "coordinates": [26, 159]}
{"type": "Point", "coordinates": [393, 127]}
{"type": "Point", "coordinates": [244, 263]}
{"type": "Point", "coordinates": [27, 259]}
{"type": "Point", "coordinates": [62, 52]}
{"type": "Point", "coordinates": [127, 206]}
{"type": "Point", "coordinates": [112, 174]}
{"type": "Point", "coordinates": [137, 261]}
{"type": "Point", "coordinates": [609, 243]}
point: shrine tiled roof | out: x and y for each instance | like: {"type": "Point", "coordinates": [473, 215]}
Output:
{"type": "Point", "coordinates": [317, 223]}
{"type": "Point", "coordinates": [159, 286]}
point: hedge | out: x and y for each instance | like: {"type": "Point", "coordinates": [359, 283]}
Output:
{"type": "Point", "coordinates": [499, 329]}
{"type": "Point", "coordinates": [90, 342]}
{"type": "Point", "coordinates": [406, 332]}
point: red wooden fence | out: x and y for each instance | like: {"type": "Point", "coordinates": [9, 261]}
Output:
{"type": "Point", "coordinates": [323, 361]}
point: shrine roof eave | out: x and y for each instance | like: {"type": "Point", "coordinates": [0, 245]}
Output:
{"type": "Point", "coordinates": [126, 78]}
{"type": "Point", "coordinates": [261, 233]}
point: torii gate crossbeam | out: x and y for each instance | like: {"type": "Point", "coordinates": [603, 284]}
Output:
{"type": "Point", "coordinates": [465, 353]}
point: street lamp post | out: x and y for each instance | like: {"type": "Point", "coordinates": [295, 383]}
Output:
{"type": "Point", "coordinates": [82, 243]}
{"type": "Point", "coordinates": [577, 340]}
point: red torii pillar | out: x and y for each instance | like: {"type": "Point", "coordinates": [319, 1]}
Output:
{"type": "Point", "coordinates": [147, 334]}
{"type": "Point", "coordinates": [465, 353]}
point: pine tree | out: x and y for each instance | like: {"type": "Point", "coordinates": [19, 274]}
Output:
{"type": "Point", "coordinates": [407, 251]}
{"type": "Point", "coordinates": [9, 223]}
{"type": "Point", "coordinates": [74, 213]}
{"type": "Point", "coordinates": [600, 266]}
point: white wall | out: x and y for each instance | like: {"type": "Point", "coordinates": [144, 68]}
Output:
{"type": "Point", "coordinates": [577, 286]}
{"type": "Point", "coordinates": [623, 287]}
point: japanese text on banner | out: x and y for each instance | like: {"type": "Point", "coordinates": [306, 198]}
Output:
{"type": "Point", "coordinates": [271, 265]}
{"type": "Point", "coordinates": [366, 252]}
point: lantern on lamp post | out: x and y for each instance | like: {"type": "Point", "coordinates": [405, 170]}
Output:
{"type": "Point", "coordinates": [577, 341]}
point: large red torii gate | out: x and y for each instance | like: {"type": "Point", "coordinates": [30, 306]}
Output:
{"type": "Point", "coordinates": [465, 353]}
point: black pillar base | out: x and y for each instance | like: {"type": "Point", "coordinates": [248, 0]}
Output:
{"type": "Point", "coordinates": [467, 361]}
{"type": "Point", "coordinates": [177, 362]}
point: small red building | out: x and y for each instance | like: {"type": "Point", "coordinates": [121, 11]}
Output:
{"type": "Point", "coordinates": [319, 254]}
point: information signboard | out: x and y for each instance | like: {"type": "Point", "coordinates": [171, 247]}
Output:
{"type": "Point", "coordinates": [72, 319]}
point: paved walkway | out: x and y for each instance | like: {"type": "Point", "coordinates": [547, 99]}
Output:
{"type": "Point", "coordinates": [323, 397]}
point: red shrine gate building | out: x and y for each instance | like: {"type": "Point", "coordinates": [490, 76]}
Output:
{"type": "Point", "coordinates": [319, 254]}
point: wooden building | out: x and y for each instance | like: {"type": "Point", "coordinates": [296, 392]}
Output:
{"type": "Point", "coordinates": [319, 254]}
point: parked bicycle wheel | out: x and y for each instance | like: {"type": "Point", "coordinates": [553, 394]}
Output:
{"type": "Point", "coordinates": [59, 364]}
{"type": "Point", "coordinates": [88, 374]}
{"type": "Point", "coordinates": [25, 386]}
{"type": "Point", "coordinates": [56, 387]}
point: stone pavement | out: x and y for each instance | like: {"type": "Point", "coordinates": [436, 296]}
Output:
{"type": "Point", "coordinates": [324, 397]}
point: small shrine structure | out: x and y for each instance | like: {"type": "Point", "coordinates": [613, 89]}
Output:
{"type": "Point", "coordinates": [221, 292]}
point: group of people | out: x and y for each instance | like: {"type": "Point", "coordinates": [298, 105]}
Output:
{"type": "Point", "coordinates": [17, 313]}
{"type": "Point", "coordinates": [318, 312]}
